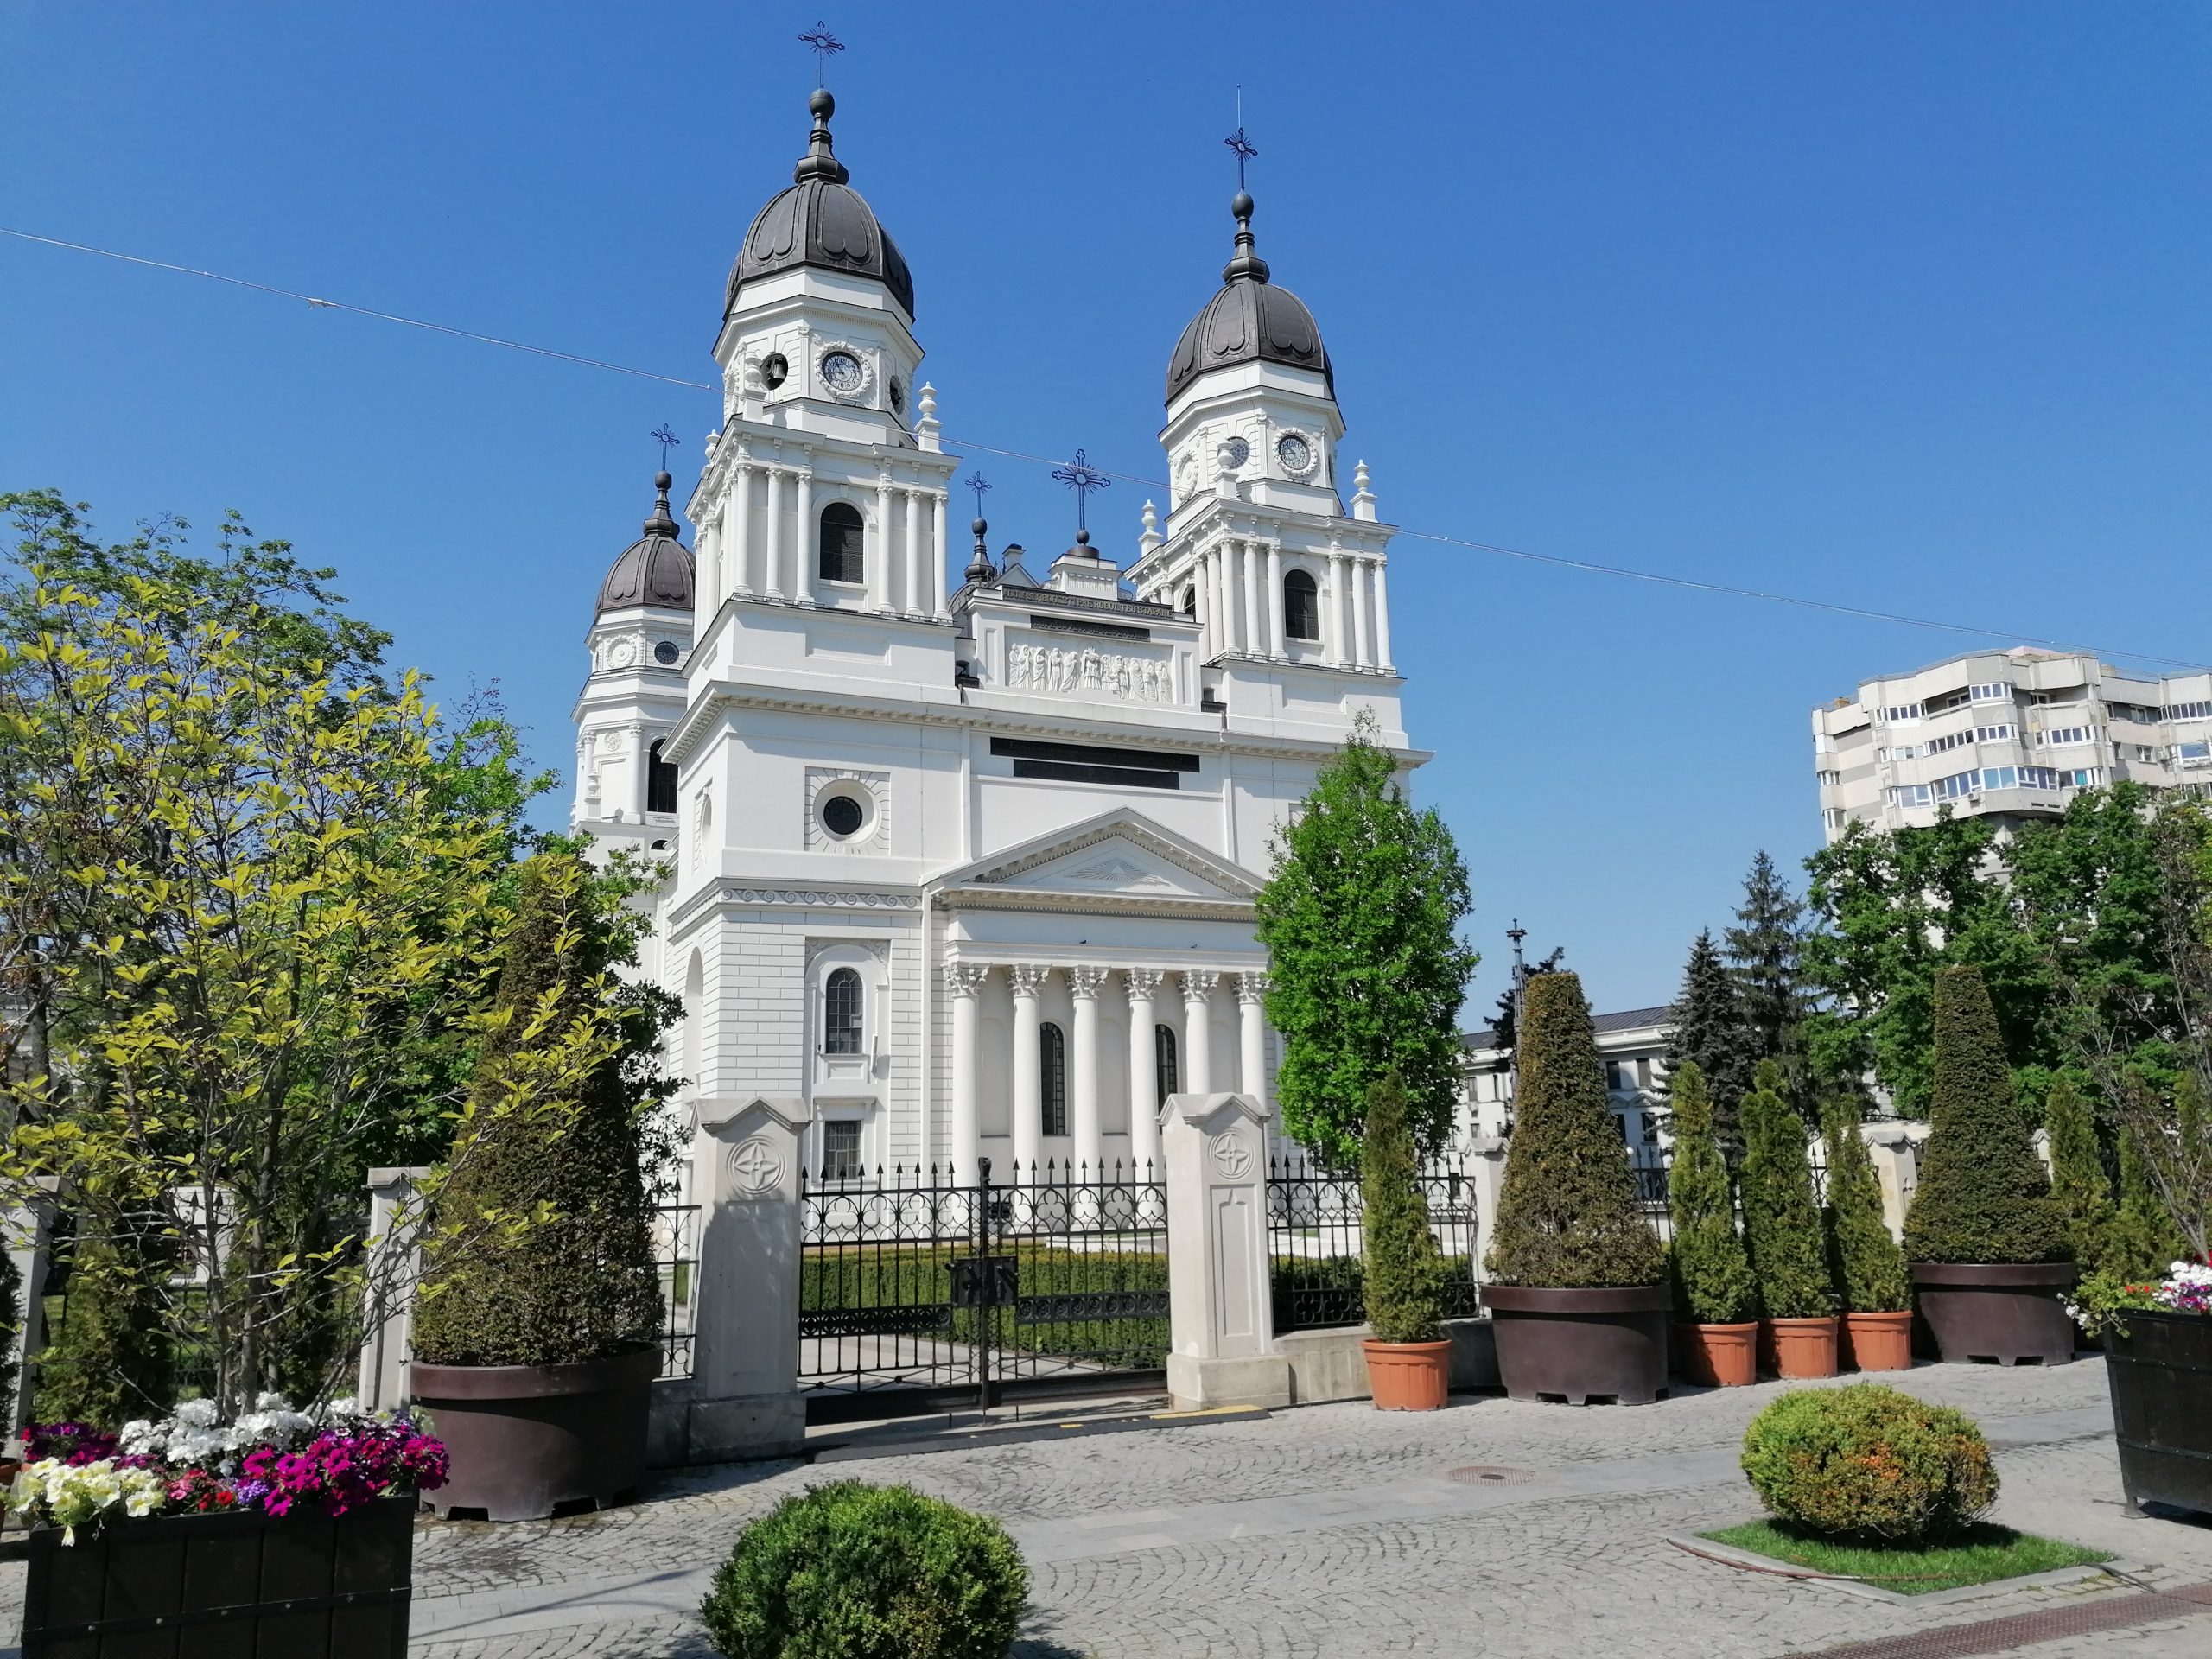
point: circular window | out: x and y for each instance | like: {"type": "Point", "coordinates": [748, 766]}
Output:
{"type": "Point", "coordinates": [1237, 452]}
{"type": "Point", "coordinates": [775, 369]}
{"type": "Point", "coordinates": [666, 652]}
{"type": "Point", "coordinates": [842, 817]}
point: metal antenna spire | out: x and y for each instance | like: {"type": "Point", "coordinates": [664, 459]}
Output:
{"type": "Point", "coordinates": [824, 45]}
{"type": "Point", "coordinates": [978, 483]}
{"type": "Point", "coordinates": [1236, 141]}
{"type": "Point", "coordinates": [667, 440]}
{"type": "Point", "coordinates": [1082, 478]}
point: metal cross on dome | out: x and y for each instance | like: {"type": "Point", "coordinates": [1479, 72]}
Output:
{"type": "Point", "coordinates": [824, 45]}
{"type": "Point", "coordinates": [667, 440]}
{"type": "Point", "coordinates": [977, 482]}
{"type": "Point", "coordinates": [1082, 478]}
{"type": "Point", "coordinates": [1244, 147]}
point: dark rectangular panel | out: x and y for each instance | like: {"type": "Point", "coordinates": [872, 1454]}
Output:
{"type": "Point", "coordinates": [1076, 771]}
{"type": "Point", "coordinates": [1092, 754]}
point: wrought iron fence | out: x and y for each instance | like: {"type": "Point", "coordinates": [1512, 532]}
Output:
{"type": "Point", "coordinates": [676, 1251]}
{"type": "Point", "coordinates": [1314, 1238]}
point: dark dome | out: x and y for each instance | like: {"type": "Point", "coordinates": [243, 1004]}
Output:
{"type": "Point", "coordinates": [823, 222]}
{"type": "Point", "coordinates": [1250, 320]}
{"type": "Point", "coordinates": [655, 570]}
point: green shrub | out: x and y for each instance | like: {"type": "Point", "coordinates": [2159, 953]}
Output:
{"type": "Point", "coordinates": [2141, 1241]}
{"type": "Point", "coordinates": [1867, 1267]}
{"type": "Point", "coordinates": [1983, 1195]}
{"type": "Point", "coordinates": [1567, 1217]}
{"type": "Point", "coordinates": [11, 1319]}
{"type": "Point", "coordinates": [1403, 1288]}
{"type": "Point", "coordinates": [108, 1357]}
{"type": "Point", "coordinates": [2079, 1185]}
{"type": "Point", "coordinates": [1866, 1462]}
{"type": "Point", "coordinates": [1781, 1222]}
{"type": "Point", "coordinates": [850, 1571]}
{"type": "Point", "coordinates": [1712, 1273]}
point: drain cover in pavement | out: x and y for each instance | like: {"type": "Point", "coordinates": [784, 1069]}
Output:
{"type": "Point", "coordinates": [1491, 1474]}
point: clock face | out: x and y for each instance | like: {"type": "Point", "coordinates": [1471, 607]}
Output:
{"type": "Point", "coordinates": [1238, 451]}
{"type": "Point", "coordinates": [1296, 455]}
{"type": "Point", "coordinates": [842, 371]}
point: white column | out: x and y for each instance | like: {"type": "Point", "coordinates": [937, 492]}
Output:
{"type": "Point", "coordinates": [879, 567]}
{"type": "Point", "coordinates": [806, 550]}
{"type": "Point", "coordinates": [964, 980]}
{"type": "Point", "coordinates": [710, 573]}
{"type": "Point", "coordinates": [1382, 616]}
{"type": "Point", "coordinates": [1028, 1081]}
{"type": "Point", "coordinates": [1275, 645]}
{"type": "Point", "coordinates": [774, 586]}
{"type": "Point", "coordinates": [1209, 585]}
{"type": "Point", "coordinates": [1252, 1037]}
{"type": "Point", "coordinates": [1232, 599]}
{"type": "Point", "coordinates": [1082, 1072]}
{"type": "Point", "coordinates": [1254, 600]}
{"type": "Point", "coordinates": [1198, 1039]}
{"type": "Point", "coordinates": [939, 604]}
{"type": "Point", "coordinates": [1144, 1074]}
{"type": "Point", "coordinates": [1339, 625]}
{"type": "Point", "coordinates": [911, 601]}
{"type": "Point", "coordinates": [741, 556]}
{"type": "Point", "coordinates": [1359, 614]}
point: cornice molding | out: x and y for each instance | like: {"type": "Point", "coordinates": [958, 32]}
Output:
{"type": "Point", "coordinates": [1048, 902]}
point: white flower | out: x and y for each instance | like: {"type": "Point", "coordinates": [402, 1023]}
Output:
{"type": "Point", "coordinates": [197, 1414]}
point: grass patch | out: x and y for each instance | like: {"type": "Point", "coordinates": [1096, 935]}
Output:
{"type": "Point", "coordinates": [1978, 1555]}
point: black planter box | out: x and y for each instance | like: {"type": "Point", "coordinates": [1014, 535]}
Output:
{"type": "Point", "coordinates": [236, 1586]}
{"type": "Point", "coordinates": [2160, 1369]}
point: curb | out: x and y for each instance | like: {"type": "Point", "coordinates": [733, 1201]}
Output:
{"type": "Point", "coordinates": [2057, 1575]}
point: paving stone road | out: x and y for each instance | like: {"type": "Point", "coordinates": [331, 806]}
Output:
{"type": "Point", "coordinates": [1336, 1532]}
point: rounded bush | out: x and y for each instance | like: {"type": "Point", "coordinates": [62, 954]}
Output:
{"type": "Point", "coordinates": [1868, 1463]}
{"type": "Point", "coordinates": [850, 1571]}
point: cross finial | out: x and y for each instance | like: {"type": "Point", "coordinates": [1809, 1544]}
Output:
{"type": "Point", "coordinates": [1082, 478]}
{"type": "Point", "coordinates": [1242, 146]}
{"type": "Point", "coordinates": [978, 483]}
{"type": "Point", "coordinates": [824, 45]}
{"type": "Point", "coordinates": [666, 439]}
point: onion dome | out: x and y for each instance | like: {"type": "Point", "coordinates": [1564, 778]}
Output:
{"type": "Point", "coordinates": [820, 221]}
{"type": "Point", "coordinates": [655, 568]}
{"type": "Point", "coordinates": [1250, 320]}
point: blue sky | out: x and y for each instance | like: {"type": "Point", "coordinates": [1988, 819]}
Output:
{"type": "Point", "coordinates": [1897, 305]}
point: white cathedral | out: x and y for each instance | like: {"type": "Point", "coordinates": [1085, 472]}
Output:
{"type": "Point", "coordinates": [971, 868]}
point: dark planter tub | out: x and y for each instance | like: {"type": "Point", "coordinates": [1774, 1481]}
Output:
{"type": "Point", "coordinates": [305, 1586]}
{"type": "Point", "coordinates": [526, 1440]}
{"type": "Point", "coordinates": [1581, 1345]}
{"type": "Point", "coordinates": [2008, 1313]}
{"type": "Point", "coordinates": [2160, 1369]}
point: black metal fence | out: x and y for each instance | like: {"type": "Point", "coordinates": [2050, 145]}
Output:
{"type": "Point", "coordinates": [676, 1250]}
{"type": "Point", "coordinates": [1314, 1236]}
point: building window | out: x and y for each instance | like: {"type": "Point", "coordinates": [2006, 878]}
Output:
{"type": "Point", "coordinates": [1053, 1066]}
{"type": "Point", "coordinates": [2189, 711]}
{"type": "Point", "coordinates": [841, 1150]}
{"type": "Point", "coordinates": [1301, 607]}
{"type": "Point", "coordinates": [2038, 778]}
{"type": "Point", "coordinates": [660, 783]}
{"type": "Point", "coordinates": [1833, 818]}
{"type": "Point", "coordinates": [841, 1012]}
{"type": "Point", "coordinates": [1997, 692]}
{"type": "Point", "coordinates": [1190, 601]}
{"type": "Point", "coordinates": [2064, 736]}
{"type": "Point", "coordinates": [1165, 1070]}
{"type": "Point", "coordinates": [843, 540]}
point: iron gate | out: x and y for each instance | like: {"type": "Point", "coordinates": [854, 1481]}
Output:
{"type": "Point", "coordinates": [918, 1293]}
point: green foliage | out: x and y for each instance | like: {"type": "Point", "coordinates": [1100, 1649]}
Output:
{"type": "Point", "coordinates": [2079, 1185]}
{"type": "Point", "coordinates": [1782, 1222]}
{"type": "Point", "coordinates": [542, 1250]}
{"type": "Point", "coordinates": [1711, 1034]}
{"type": "Point", "coordinates": [1983, 1195]}
{"type": "Point", "coordinates": [11, 1320]}
{"type": "Point", "coordinates": [850, 1571]}
{"type": "Point", "coordinates": [2141, 1241]}
{"type": "Point", "coordinates": [110, 1358]}
{"type": "Point", "coordinates": [1711, 1272]}
{"type": "Point", "coordinates": [2165, 1174]}
{"type": "Point", "coordinates": [1403, 1288]}
{"type": "Point", "coordinates": [1366, 972]}
{"type": "Point", "coordinates": [1868, 1268]}
{"type": "Point", "coordinates": [1980, 1554]}
{"type": "Point", "coordinates": [1765, 951]}
{"type": "Point", "coordinates": [1867, 1462]}
{"type": "Point", "coordinates": [1567, 1217]}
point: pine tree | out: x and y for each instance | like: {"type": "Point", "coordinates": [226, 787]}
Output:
{"type": "Point", "coordinates": [2079, 1184]}
{"type": "Point", "coordinates": [1403, 1270]}
{"type": "Point", "coordinates": [1710, 1033]}
{"type": "Point", "coordinates": [1868, 1268]}
{"type": "Point", "coordinates": [1763, 952]}
{"type": "Point", "coordinates": [1567, 1217]}
{"type": "Point", "coordinates": [1983, 1196]}
{"type": "Point", "coordinates": [1711, 1274]}
{"type": "Point", "coordinates": [1782, 1222]}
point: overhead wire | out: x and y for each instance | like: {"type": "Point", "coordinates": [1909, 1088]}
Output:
{"type": "Point", "coordinates": [1591, 567]}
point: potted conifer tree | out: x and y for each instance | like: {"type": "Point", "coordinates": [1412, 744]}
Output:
{"type": "Point", "coordinates": [1987, 1246]}
{"type": "Point", "coordinates": [1578, 1292]}
{"type": "Point", "coordinates": [1408, 1358]}
{"type": "Point", "coordinates": [1716, 1298]}
{"type": "Point", "coordinates": [1868, 1266]}
{"type": "Point", "coordinates": [537, 1323]}
{"type": "Point", "coordinates": [1781, 1231]}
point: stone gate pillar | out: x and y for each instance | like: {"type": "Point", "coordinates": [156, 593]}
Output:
{"type": "Point", "coordinates": [1486, 1174]}
{"type": "Point", "coordinates": [1895, 1150]}
{"type": "Point", "coordinates": [1221, 1321]}
{"type": "Point", "coordinates": [29, 1241]}
{"type": "Point", "coordinates": [395, 1266]}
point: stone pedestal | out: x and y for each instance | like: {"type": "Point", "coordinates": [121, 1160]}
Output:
{"type": "Point", "coordinates": [395, 1264]}
{"type": "Point", "coordinates": [1486, 1175]}
{"type": "Point", "coordinates": [1895, 1150]}
{"type": "Point", "coordinates": [29, 1241]}
{"type": "Point", "coordinates": [1222, 1323]}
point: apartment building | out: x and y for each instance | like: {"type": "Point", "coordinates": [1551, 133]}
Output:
{"type": "Point", "coordinates": [2008, 735]}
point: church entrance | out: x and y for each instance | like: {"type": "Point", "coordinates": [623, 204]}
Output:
{"type": "Point", "coordinates": [921, 1294]}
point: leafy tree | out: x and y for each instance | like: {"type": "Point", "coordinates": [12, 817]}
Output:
{"type": "Point", "coordinates": [1404, 1269]}
{"type": "Point", "coordinates": [2140, 1239]}
{"type": "Point", "coordinates": [1868, 1268]}
{"type": "Point", "coordinates": [2079, 1184]}
{"type": "Point", "coordinates": [1567, 1215]}
{"type": "Point", "coordinates": [1366, 972]}
{"type": "Point", "coordinates": [1712, 1273]}
{"type": "Point", "coordinates": [1765, 951]}
{"type": "Point", "coordinates": [1983, 1196]}
{"type": "Point", "coordinates": [1782, 1222]}
{"type": "Point", "coordinates": [1711, 1034]}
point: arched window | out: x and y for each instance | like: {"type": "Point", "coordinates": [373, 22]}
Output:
{"type": "Point", "coordinates": [1301, 607]}
{"type": "Point", "coordinates": [660, 782]}
{"type": "Point", "coordinates": [841, 1012]}
{"type": "Point", "coordinates": [1190, 601]}
{"type": "Point", "coordinates": [843, 540]}
{"type": "Point", "coordinates": [1053, 1066]}
{"type": "Point", "coordinates": [1163, 1061]}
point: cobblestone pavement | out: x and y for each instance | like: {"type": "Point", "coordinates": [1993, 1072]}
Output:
{"type": "Point", "coordinates": [1336, 1532]}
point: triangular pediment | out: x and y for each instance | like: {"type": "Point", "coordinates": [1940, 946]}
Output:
{"type": "Point", "coordinates": [1120, 853]}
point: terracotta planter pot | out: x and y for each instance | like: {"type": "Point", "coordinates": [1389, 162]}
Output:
{"type": "Point", "coordinates": [2160, 1369]}
{"type": "Point", "coordinates": [1581, 1345]}
{"type": "Point", "coordinates": [1800, 1350]}
{"type": "Point", "coordinates": [1878, 1342]}
{"type": "Point", "coordinates": [2000, 1312]}
{"type": "Point", "coordinates": [1409, 1376]}
{"type": "Point", "coordinates": [1719, 1355]}
{"type": "Point", "coordinates": [526, 1438]}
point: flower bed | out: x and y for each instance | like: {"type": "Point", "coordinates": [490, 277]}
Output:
{"type": "Point", "coordinates": [2158, 1358]}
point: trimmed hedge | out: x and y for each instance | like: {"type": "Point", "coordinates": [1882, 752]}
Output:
{"type": "Point", "coordinates": [1712, 1273]}
{"type": "Point", "coordinates": [1869, 1268]}
{"type": "Point", "coordinates": [1869, 1463]}
{"type": "Point", "coordinates": [1781, 1222]}
{"type": "Point", "coordinates": [1403, 1292]}
{"type": "Point", "coordinates": [869, 1275]}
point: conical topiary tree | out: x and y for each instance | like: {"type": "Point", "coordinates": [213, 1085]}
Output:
{"type": "Point", "coordinates": [1711, 1272]}
{"type": "Point", "coordinates": [1403, 1267]}
{"type": "Point", "coordinates": [541, 1250]}
{"type": "Point", "coordinates": [1867, 1267]}
{"type": "Point", "coordinates": [1983, 1195]}
{"type": "Point", "coordinates": [1782, 1222]}
{"type": "Point", "coordinates": [1711, 1034]}
{"type": "Point", "coordinates": [2079, 1184]}
{"type": "Point", "coordinates": [1567, 1217]}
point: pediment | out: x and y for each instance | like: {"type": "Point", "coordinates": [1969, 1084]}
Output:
{"type": "Point", "coordinates": [1119, 853]}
